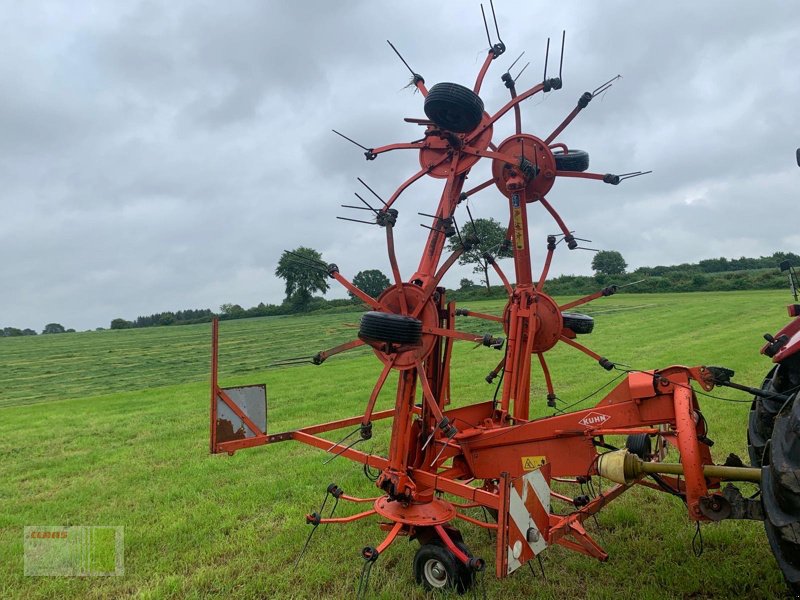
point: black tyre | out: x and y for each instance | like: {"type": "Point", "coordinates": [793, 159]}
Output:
{"type": "Point", "coordinates": [436, 568]}
{"type": "Point", "coordinates": [780, 493]}
{"type": "Point", "coordinates": [639, 444]}
{"type": "Point", "coordinates": [762, 419]}
{"type": "Point", "coordinates": [578, 322]}
{"type": "Point", "coordinates": [576, 160]}
{"type": "Point", "coordinates": [454, 107]}
{"type": "Point", "coordinates": [387, 327]}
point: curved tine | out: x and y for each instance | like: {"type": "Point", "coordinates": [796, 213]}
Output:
{"type": "Point", "coordinates": [502, 277]}
{"type": "Point", "coordinates": [436, 279]}
{"type": "Point", "coordinates": [581, 347]}
{"type": "Point", "coordinates": [548, 259]}
{"type": "Point", "coordinates": [427, 392]}
{"type": "Point", "coordinates": [555, 216]}
{"type": "Point", "coordinates": [508, 106]}
{"type": "Point", "coordinates": [547, 380]}
{"type": "Point", "coordinates": [395, 269]}
{"type": "Point", "coordinates": [479, 187]}
{"type": "Point", "coordinates": [373, 397]}
{"type": "Point", "coordinates": [412, 179]}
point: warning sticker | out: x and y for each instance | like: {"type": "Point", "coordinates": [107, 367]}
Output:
{"type": "Point", "coordinates": [519, 237]}
{"type": "Point", "coordinates": [529, 463]}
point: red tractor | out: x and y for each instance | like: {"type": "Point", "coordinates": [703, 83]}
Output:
{"type": "Point", "coordinates": [773, 438]}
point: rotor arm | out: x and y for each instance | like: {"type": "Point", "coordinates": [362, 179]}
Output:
{"type": "Point", "coordinates": [389, 147]}
{"type": "Point", "coordinates": [606, 291]}
{"type": "Point", "coordinates": [360, 294]}
{"type": "Point", "coordinates": [570, 239]}
{"type": "Point", "coordinates": [395, 269]}
{"type": "Point", "coordinates": [551, 247]}
{"type": "Point", "coordinates": [551, 395]}
{"type": "Point", "coordinates": [501, 275]}
{"type": "Point", "coordinates": [603, 362]}
{"type": "Point", "coordinates": [373, 397]}
{"type": "Point", "coordinates": [321, 357]}
{"type": "Point", "coordinates": [508, 106]}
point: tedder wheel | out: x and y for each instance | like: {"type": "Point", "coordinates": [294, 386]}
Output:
{"type": "Point", "coordinates": [578, 322]}
{"type": "Point", "coordinates": [575, 160]}
{"type": "Point", "coordinates": [436, 568]}
{"type": "Point", "coordinates": [639, 444]}
{"type": "Point", "coordinates": [780, 493]}
{"type": "Point", "coordinates": [762, 419]}
{"type": "Point", "coordinates": [388, 327]}
{"type": "Point", "coordinates": [454, 107]}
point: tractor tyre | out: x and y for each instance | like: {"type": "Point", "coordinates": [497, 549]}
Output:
{"type": "Point", "coordinates": [577, 322]}
{"type": "Point", "coordinates": [575, 160]}
{"type": "Point", "coordinates": [780, 493]}
{"type": "Point", "coordinates": [388, 327]}
{"type": "Point", "coordinates": [454, 107]}
{"type": "Point", "coordinates": [438, 569]}
{"type": "Point", "coordinates": [762, 419]}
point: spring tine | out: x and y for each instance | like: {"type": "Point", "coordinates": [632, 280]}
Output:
{"type": "Point", "coordinates": [361, 181]}
{"type": "Point", "coordinates": [367, 204]}
{"type": "Point", "coordinates": [601, 88]}
{"type": "Point", "coordinates": [515, 61]}
{"type": "Point", "coordinates": [400, 56]}
{"type": "Point", "coordinates": [351, 140]}
{"type": "Point", "coordinates": [546, 56]}
{"type": "Point", "coordinates": [349, 435]}
{"type": "Point", "coordinates": [521, 72]}
{"type": "Point", "coordinates": [356, 220]}
{"type": "Point", "coordinates": [486, 26]}
{"type": "Point", "coordinates": [494, 17]}
{"type": "Point", "coordinates": [442, 450]}
{"type": "Point", "coordinates": [343, 450]}
{"type": "Point", "coordinates": [355, 207]}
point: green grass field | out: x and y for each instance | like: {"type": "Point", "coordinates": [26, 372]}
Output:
{"type": "Point", "coordinates": [111, 428]}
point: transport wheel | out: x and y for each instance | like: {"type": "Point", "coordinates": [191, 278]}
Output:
{"type": "Point", "coordinates": [454, 107]}
{"type": "Point", "coordinates": [762, 419]}
{"type": "Point", "coordinates": [388, 327]}
{"type": "Point", "coordinates": [576, 160]}
{"type": "Point", "coordinates": [780, 493]}
{"type": "Point", "coordinates": [639, 444]}
{"type": "Point", "coordinates": [436, 568]}
{"type": "Point", "coordinates": [578, 322]}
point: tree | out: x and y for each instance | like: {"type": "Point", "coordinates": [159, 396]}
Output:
{"type": "Point", "coordinates": [304, 272]}
{"type": "Point", "coordinates": [121, 324]}
{"type": "Point", "coordinates": [54, 328]}
{"type": "Point", "coordinates": [371, 281]}
{"type": "Point", "coordinates": [465, 284]}
{"type": "Point", "coordinates": [609, 262]}
{"type": "Point", "coordinates": [485, 235]}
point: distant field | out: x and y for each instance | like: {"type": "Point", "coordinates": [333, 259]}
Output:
{"type": "Point", "coordinates": [111, 428]}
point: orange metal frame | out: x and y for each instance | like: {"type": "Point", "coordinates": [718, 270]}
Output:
{"type": "Point", "coordinates": [473, 452]}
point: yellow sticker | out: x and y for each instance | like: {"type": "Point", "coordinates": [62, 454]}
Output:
{"type": "Point", "coordinates": [529, 463]}
{"type": "Point", "coordinates": [519, 236]}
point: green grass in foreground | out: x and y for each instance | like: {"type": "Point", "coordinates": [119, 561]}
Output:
{"type": "Point", "coordinates": [198, 526]}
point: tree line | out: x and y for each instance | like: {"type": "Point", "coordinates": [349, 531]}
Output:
{"type": "Point", "coordinates": [306, 273]}
{"type": "Point", "coordinates": [48, 329]}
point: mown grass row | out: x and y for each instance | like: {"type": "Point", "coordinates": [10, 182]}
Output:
{"type": "Point", "coordinates": [199, 526]}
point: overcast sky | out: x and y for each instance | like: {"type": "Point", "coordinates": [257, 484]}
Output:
{"type": "Point", "coordinates": [160, 155]}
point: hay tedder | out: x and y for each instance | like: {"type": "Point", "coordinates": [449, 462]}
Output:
{"type": "Point", "coordinates": [447, 457]}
